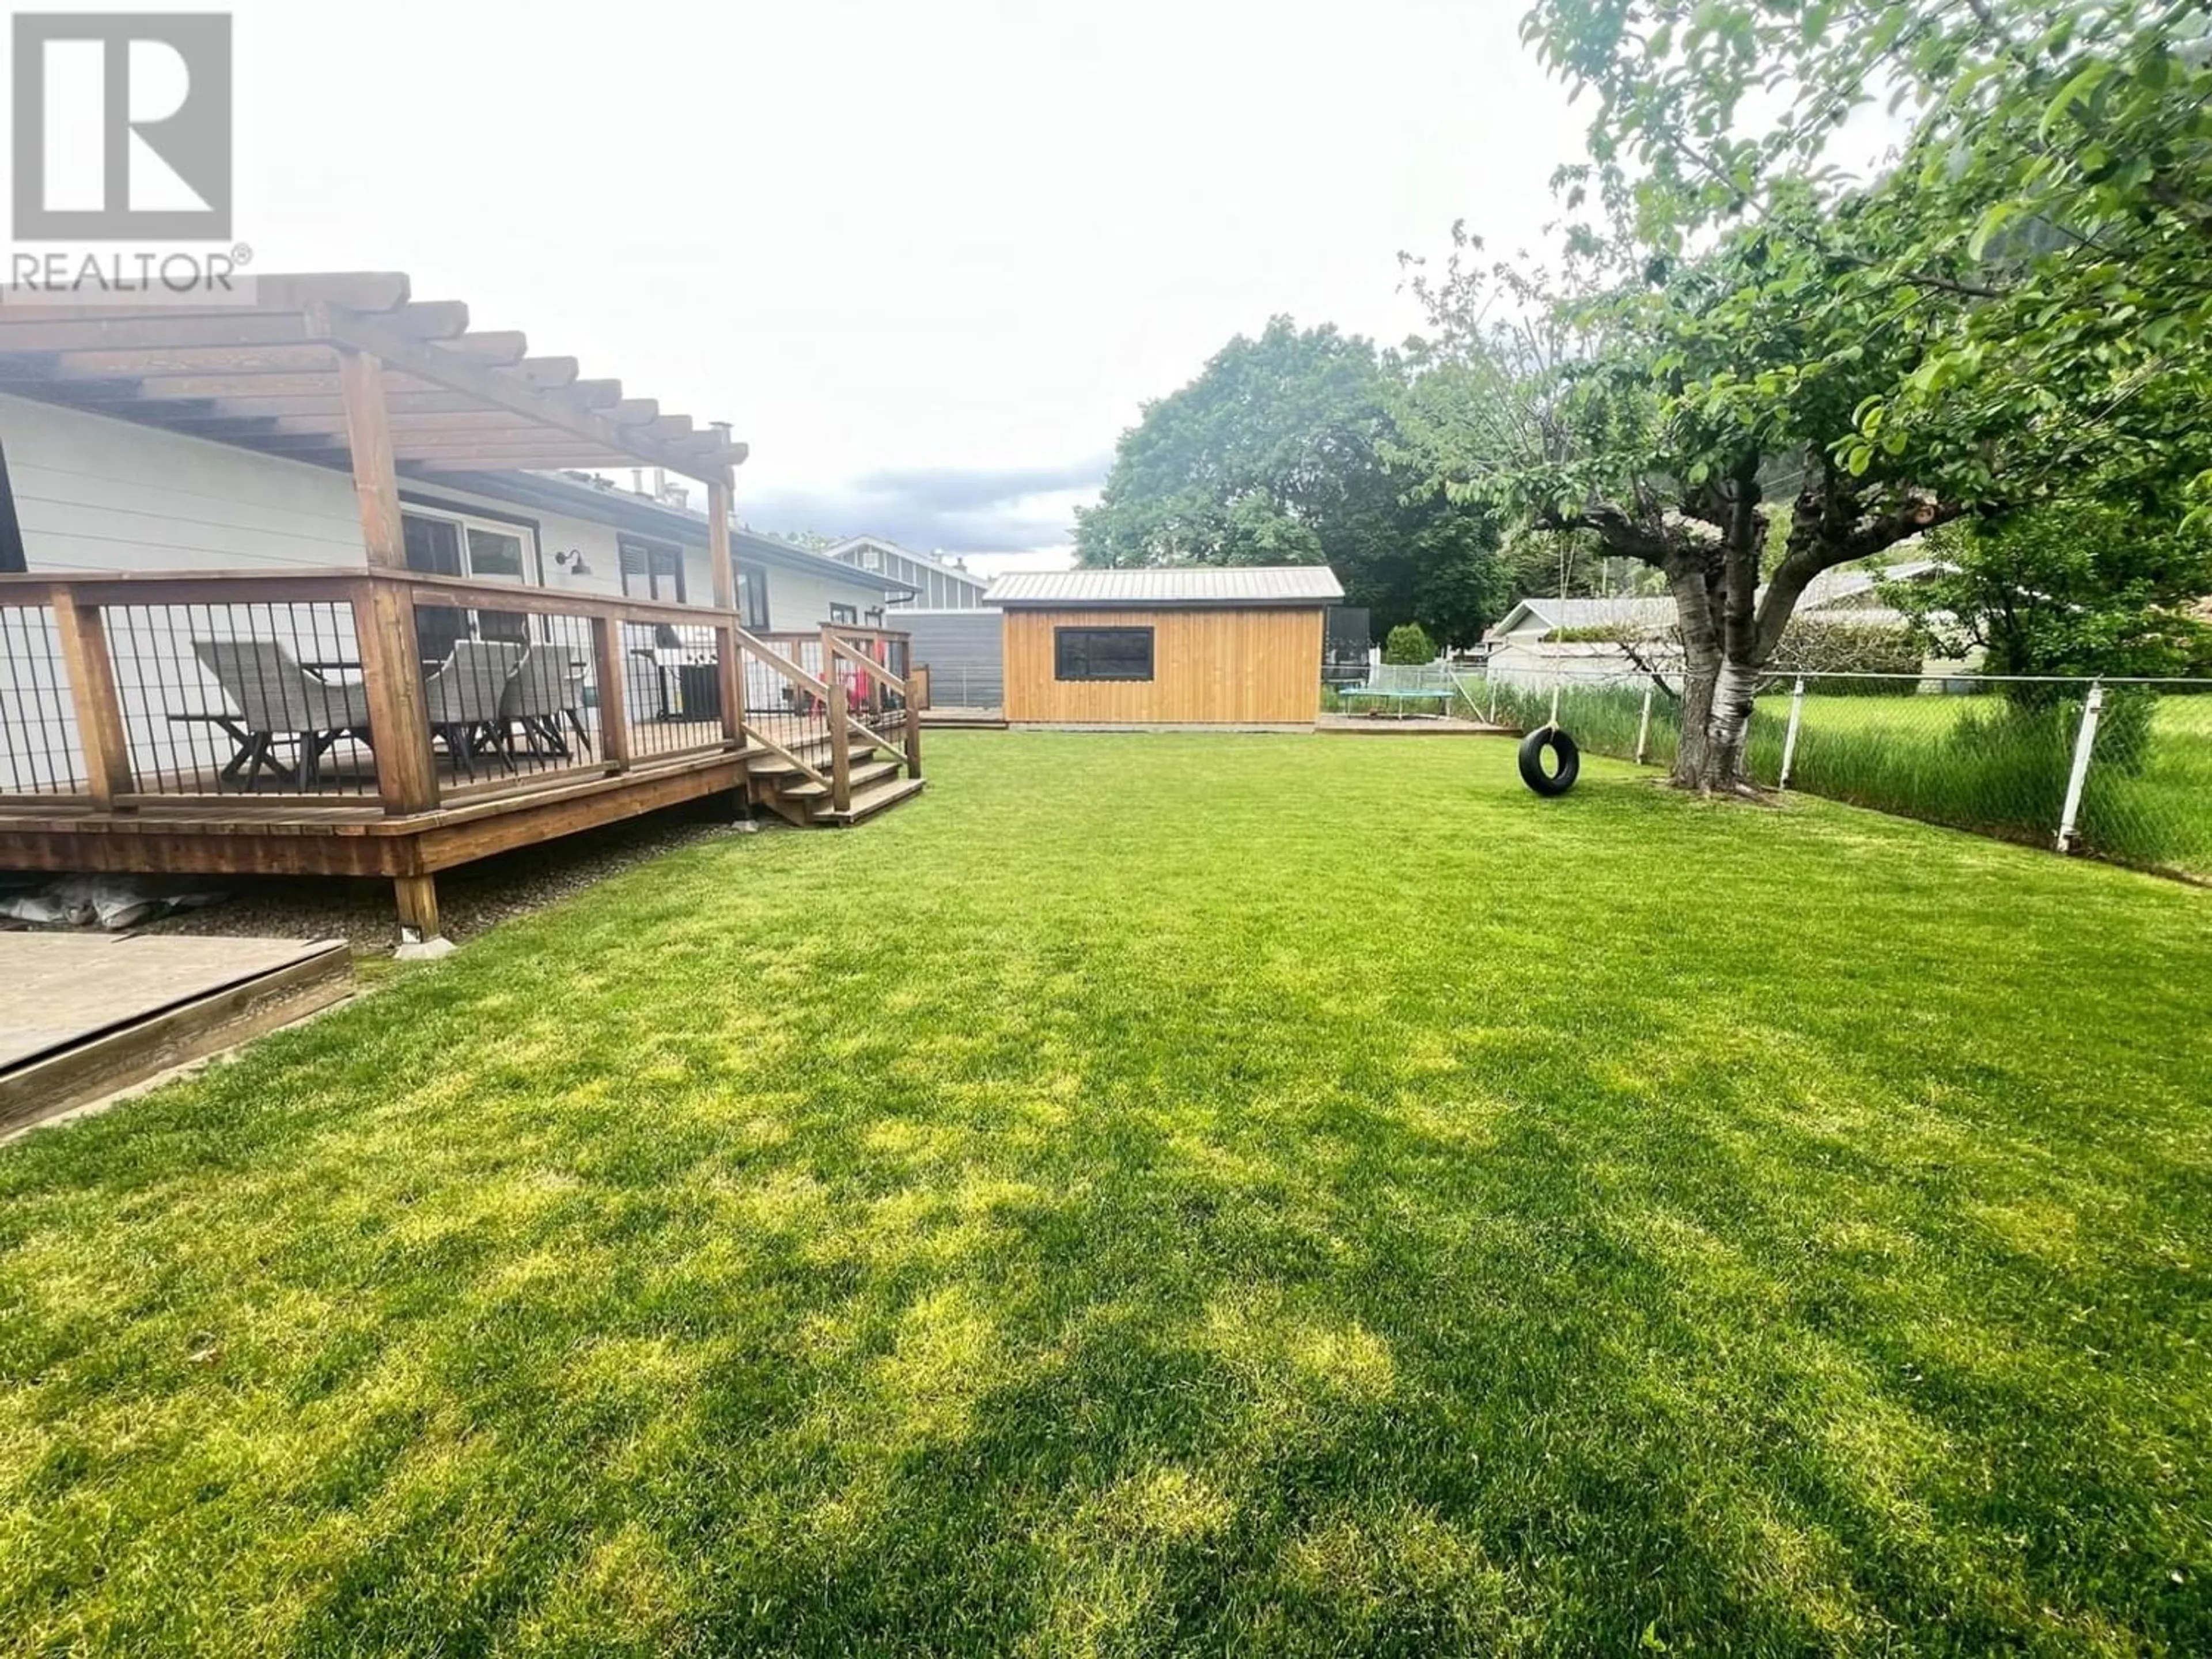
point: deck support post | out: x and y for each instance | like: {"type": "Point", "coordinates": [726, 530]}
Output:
{"type": "Point", "coordinates": [840, 743]}
{"type": "Point", "coordinates": [607, 668]}
{"type": "Point", "coordinates": [419, 930]}
{"type": "Point", "coordinates": [81, 632]}
{"type": "Point", "coordinates": [917, 699]}
{"type": "Point", "coordinates": [720, 502]}
{"type": "Point", "coordinates": [730, 683]}
{"type": "Point", "coordinates": [383, 611]}
{"type": "Point", "coordinates": [392, 678]}
{"type": "Point", "coordinates": [369, 438]}
{"type": "Point", "coordinates": [729, 679]}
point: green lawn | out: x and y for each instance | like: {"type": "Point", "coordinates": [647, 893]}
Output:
{"type": "Point", "coordinates": [1267, 1194]}
{"type": "Point", "coordinates": [1960, 761]}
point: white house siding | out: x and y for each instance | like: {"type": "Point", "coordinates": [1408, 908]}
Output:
{"type": "Point", "coordinates": [100, 494]}
{"type": "Point", "coordinates": [800, 600]}
{"type": "Point", "coordinates": [96, 495]}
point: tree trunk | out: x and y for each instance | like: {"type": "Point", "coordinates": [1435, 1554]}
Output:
{"type": "Point", "coordinates": [1701, 667]}
{"type": "Point", "coordinates": [1729, 729]}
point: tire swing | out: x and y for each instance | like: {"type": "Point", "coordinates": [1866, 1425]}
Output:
{"type": "Point", "coordinates": [1566, 763]}
{"type": "Point", "coordinates": [1566, 758]}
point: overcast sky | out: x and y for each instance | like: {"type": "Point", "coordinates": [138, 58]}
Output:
{"type": "Point", "coordinates": [928, 258]}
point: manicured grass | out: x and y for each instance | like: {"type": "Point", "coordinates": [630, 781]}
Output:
{"type": "Point", "coordinates": [1968, 762]}
{"type": "Point", "coordinates": [1265, 1194]}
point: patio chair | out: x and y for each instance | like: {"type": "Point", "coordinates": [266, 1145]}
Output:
{"type": "Point", "coordinates": [462, 698]}
{"type": "Point", "coordinates": [277, 698]}
{"type": "Point", "coordinates": [546, 689]}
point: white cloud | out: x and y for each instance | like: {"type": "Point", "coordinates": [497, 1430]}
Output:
{"type": "Point", "coordinates": [938, 239]}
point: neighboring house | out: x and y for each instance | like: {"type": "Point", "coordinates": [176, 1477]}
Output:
{"type": "Point", "coordinates": [931, 584]}
{"type": "Point", "coordinates": [1204, 645]}
{"type": "Point", "coordinates": [1590, 641]}
{"type": "Point", "coordinates": [965, 651]}
{"type": "Point", "coordinates": [1523, 646]}
{"type": "Point", "coordinates": [1851, 595]}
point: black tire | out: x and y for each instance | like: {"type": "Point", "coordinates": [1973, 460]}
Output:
{"type": "Point", "coordinates": [1569, 759]}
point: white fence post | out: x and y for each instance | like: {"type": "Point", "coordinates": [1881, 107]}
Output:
{"type": "Point", "coordinates": [2085, 744]}
{"type": "Point", "coordinates": [1643, 725]}
{"type": "Point", "coordinates": [1789, 738]}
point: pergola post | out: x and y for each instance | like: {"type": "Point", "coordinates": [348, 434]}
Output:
{"type": "Point", "coordinates": [728, 674]}
{"type": "Point", "coordinates": [384, 609]}
{"type": "Point", "coordinates": [375, 480]}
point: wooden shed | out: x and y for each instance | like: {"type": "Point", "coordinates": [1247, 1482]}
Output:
{"type": "Point", "coordinates": [1203, 645]}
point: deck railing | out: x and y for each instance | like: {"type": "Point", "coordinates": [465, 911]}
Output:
{"type": "Point", "coordinates": [408, 691]}
{"type": "Point", "coordinates": [825, 702]}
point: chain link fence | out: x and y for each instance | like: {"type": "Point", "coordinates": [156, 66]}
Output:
{"type": "Point", "coordinates": [2116, 769]}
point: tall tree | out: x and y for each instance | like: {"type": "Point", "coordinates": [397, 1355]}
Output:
{"type": "Point", "coordinates": [1281, 452]}
{"type": "Point", "coordinates": [2060, 152]}
{"type": "Point", "coordinates": [1965, 334]}
{"type": "Point", "coordinates": [1667, 408]}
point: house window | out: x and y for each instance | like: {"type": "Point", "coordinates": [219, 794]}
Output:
{"type": "Point", "coordinates": [441, 544]}
{"type": "Point", "coordinates": [871, 558]}
{"type": "Point", "coordinates": [752, 596]}
{"type": "Point", "coordinates": [652, 570]}
{"type": "Point", "coordinates": [844, 613]}
{"type": "Point", "coordinates": [1101, 654]}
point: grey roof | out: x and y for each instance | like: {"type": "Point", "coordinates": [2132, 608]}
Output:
{"type": "Point", "coordinates": [851, 545]}
{"type": "Point", "coordinates": [1590, 613]}
{"type": "Point", "coordinates": [1247, 586]}
{"type": "Point", "coordinates": [1836, 588]}
{"type": "Point", "coordinates": [581, 495]}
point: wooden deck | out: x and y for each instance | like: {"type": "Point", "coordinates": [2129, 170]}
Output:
{"type": "Point", "coordinates": [86, 1017]}
{"type": "Point", "coordinates": [238, 835]}
{"type": "Point", "coordinates": [139, 748]}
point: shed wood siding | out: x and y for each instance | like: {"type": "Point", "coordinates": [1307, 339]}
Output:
{"type": "Point", "coordinates": [1210, 667]}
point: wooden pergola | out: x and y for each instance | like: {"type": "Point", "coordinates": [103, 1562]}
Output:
{"type": "Point", "coordinates": [346, 370]}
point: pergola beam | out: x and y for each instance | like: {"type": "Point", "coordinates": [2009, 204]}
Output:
{"type": "Point", "coordinates": [501, 346]}
{"type": "Point", "coordinates": [430, 363]}
{"type": "Point", "coordinates": [32, 330]}
{"type": "Point", "coordinates": [281, 371]}
{"type": "Point", "coordinates": [549, 372]}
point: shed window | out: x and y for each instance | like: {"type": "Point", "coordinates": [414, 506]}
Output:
{"type": "Point", "coordinates": [1101, 654]}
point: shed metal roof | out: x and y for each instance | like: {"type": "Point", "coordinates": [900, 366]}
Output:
{"type": "Point", "coordinates": [1228, 587]}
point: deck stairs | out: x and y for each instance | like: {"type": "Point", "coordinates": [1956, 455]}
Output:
{"type": "Point", "coordinates": [785, 789]}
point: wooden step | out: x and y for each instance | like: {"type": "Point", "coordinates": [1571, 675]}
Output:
{"type": "Point", "coordinates": [874, 772]}
{"type": "Point", "coordinates": [772, 765]}
{"type": "Point", "coordinates": [866, 803]}
{"type": "Point", "coordinates": [766, 764]}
